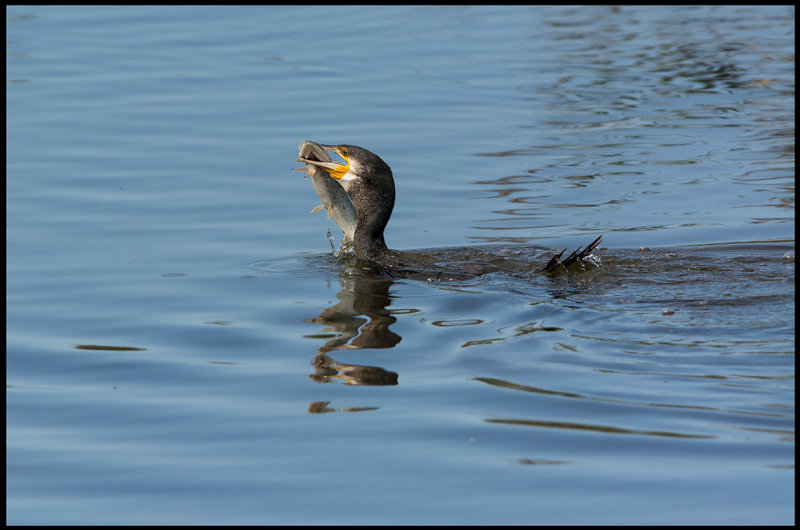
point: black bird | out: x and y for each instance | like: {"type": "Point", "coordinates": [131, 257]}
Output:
{"type": "Point", "coordinates": [369, 183]}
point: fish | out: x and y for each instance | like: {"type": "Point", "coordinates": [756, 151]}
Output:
{"type": "Point", "coordinates": [331, 194]}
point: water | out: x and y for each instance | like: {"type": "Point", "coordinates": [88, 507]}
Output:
{"type": "Point", "coordinates": [183, 348]}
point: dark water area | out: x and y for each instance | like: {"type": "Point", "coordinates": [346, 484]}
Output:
{"type": "Point", "coordinates": [183, 346]}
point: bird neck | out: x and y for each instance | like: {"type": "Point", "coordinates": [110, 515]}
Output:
{"type": "Point", "coordinates": [373, 205]}
{"type": "Point", "coordinates": [368, 242]}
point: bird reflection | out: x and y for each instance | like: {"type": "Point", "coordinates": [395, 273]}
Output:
{"type": "Point", "coordinates": [360, 319]}
{"type": "Point", "coordinates": [321, 407]}
{"type": "Point", "coordinates": [329, 370]}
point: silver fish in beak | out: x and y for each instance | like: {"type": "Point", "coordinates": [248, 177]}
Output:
{"type": "Point", "coordinates": [330, 192]}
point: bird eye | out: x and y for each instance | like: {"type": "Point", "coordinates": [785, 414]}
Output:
{"type": "Point", "coordinates": [343, 151]}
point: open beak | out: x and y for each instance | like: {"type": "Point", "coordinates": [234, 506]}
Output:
{"type": "Point", "coordinates": [313, 153]}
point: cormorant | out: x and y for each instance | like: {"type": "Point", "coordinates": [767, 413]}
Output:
{"type": "Point", "coordinates": [369, 184]}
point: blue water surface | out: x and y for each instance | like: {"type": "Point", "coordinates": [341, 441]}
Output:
{"type": "Point", "coordinates": [183, 348]}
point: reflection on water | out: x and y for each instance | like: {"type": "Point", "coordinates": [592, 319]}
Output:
{"type": "Point", "coordinates": [715, 286]}
{"type": "Point", "coordinates": [362, 318]}
{"type": "Point", "coordinates": [612, 429]}
{"type": "Point", "coordinates": [321, 407]}
{"type": "Point", "coordinates": [359, 320]}
{"type": "Point", "coordinates": [588, 427]}
{"type": "Point", "coordinates": [100, 347]}
{"type": "Point", "coordinates": [329, 370]}
{"type": "Point", "coordinates": [674, 314]}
